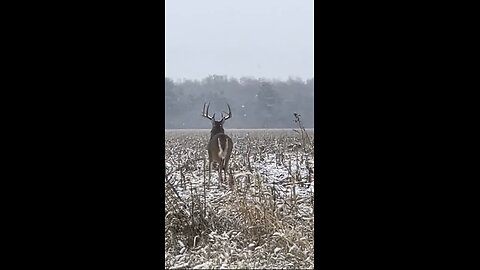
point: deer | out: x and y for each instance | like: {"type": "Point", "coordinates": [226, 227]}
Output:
{"type": "Point", "coordinates": [220, 145]}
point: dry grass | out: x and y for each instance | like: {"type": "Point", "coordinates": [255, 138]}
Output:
{"type": "Point", "coordinates": [261, 218]}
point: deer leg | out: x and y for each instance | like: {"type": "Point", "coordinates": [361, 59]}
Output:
{"type": "Point", "coordinates": [220, 171]}
{"type": "Point", "coordinates": [210, 160]}
{"type": "Point", "coordinates": [209, 171]}
{"type": "Point", "coordinates": [224, 167]}
{"type": "Point", "coordinates": [225, 170]}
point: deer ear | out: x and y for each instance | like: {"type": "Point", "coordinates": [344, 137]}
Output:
{"type": "Point", "coordinates": [222, 121]}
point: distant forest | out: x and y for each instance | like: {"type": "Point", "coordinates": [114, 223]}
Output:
{"type": "Point", "coordinates": [255, 103]}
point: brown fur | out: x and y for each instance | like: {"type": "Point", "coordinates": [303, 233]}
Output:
{"type": "Point", "coordinates": [213, 153]}
{"type": "Point", "coordinates": [220, 145]}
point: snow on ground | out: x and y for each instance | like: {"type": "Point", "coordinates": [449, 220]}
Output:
{"type": "Point", "coordinates": [265, 220]}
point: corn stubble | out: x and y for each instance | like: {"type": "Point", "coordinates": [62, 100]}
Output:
{"type": "Point", "coordinates": [260, 217]}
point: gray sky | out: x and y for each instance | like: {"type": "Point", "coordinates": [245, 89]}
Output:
{"type": "Point", "coordinates": [260, 38]}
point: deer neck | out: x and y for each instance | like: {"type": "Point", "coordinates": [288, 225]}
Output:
{"type": "Point", "coordinates": [215, 131]}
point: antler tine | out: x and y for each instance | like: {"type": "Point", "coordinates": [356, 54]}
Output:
{"type": "Point", "coordinates": [210, 117]}
{"type": "Point", "coordinates": [229, 114]}
{"type": "Point", "coordinates": [205, 114]}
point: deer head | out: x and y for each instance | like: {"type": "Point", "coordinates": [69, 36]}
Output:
{"type": "Point", "coordinates": [217, 126]}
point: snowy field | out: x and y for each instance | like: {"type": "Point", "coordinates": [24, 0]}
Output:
{"type": "Point", "coordinates": [261, 216]}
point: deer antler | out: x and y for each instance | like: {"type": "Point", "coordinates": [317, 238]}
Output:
{"type": "Point", "coordinates": [229, 114]}
{"type": "Point", "coordinates": [205, 113]}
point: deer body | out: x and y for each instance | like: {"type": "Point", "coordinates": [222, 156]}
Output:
{"type": "Point", "coordinates": [219, 150]}
{"type": "Point", "coordinates": [220, 145]}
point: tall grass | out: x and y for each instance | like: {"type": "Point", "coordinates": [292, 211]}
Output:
{"type": "Point", "coordinates": [261, 218]}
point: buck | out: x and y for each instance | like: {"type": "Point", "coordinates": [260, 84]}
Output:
{"type": "Point", "coordinates": [220, 145]}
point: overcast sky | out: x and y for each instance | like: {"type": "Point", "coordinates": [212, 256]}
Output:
{"type": "Point", "coordinates": [261, 38]}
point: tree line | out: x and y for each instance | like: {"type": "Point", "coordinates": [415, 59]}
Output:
{"type": "Point", "coordinates": [255, 103]}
